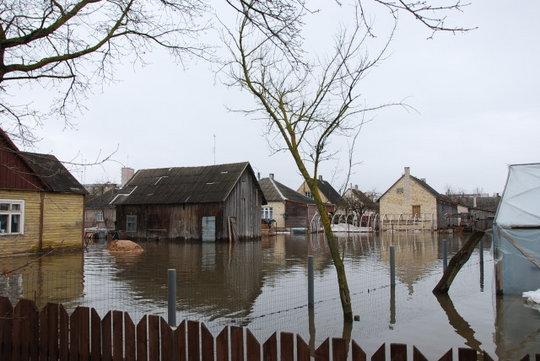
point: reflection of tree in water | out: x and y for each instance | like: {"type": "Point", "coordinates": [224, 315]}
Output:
{"type": "Point", "coordinates": [462, 327]}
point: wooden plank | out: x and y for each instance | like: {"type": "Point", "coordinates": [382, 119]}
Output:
{"type": "Point", "coordinates": [302, 349]}
{"type": "Point", "coordinates": [417, 355]}
{"type": "Point", "coordinates": [166, 340]}
{"type": "Point", "coordinates": [118, 335]}
{"type": "Point", "coordinates": [487, 357]}
{"type": "Point", "coordinates": [79, 334]}
{"type": "Point", "coordinates": [142, 339]}
{"type": "Point", "coordinates": [357, 353]}
{"type": "Point", "coordinates": [253, 347]}
{"type": "Point", "coordinates": [237, 343]}
{"type": "Point", "coordinates": [339, 349]}
{"type": "Point", "coordinates": [6, 328]}
{"type": "Point", "coordinates": [380, 354]}
{"type": "Point", "coordinates": [49, 322]}
{"type": "Point", "coordinates": [193, 340]}
{"type": "Point", "coordinates": [323, 352]}
{"type": "Point", "coordinates": [74, 336]}
{"type": "Point", "coordinates": [63, 331]}
{"type": "Point", "coordinates": [270, 348]}
{"type": "Point", "coordinates": [398, 352]}
{"type": "Point", "coordinates": [207, 344]}
{"type": "Point", "coordinates": [537, 357]}
{"type": "Point", "coordinates": [25, 331]}
{"type": "Point", "coordinates": [222, 345]}
{"type": "Point", "coordinates": [179, 344]}
{"type": "Point", "coordinates": [286, 348]}
{"type": "Point", "coordinates": [95, 336]}
{"type": "Point", "coordinates": [447, 356]}
{"type": "Point", "coordinates": [129, 338]}
{"type": "Point", "coordinates": [153, 338]}
{"type": "Point", "coordinates": [525, 358]}
{"type": "Point", "coordinates": [467, 354]}
{"type": "Point", "coordinates": [106, 337]}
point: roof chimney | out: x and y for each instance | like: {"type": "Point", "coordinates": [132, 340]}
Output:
{"type": "Point", "coordinates": [356, 186]}
{"type": "Point", "coordinates": [126, 174]}
{"type": "Point", "coordinates": [320, 178]}
{"type": "Point", "coordinates": [407, 171]}
{"type": "Point", "coordinates": [271, 175]}
{"type": "Point", "coordinates": [259, 175]}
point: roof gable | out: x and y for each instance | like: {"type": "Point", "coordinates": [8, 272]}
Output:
{"type": "Point", "coordinates": [424, 185]}
{"type": "Point", "coordinates": [179, 185]}
{"type": "Point", "coordinates": [278, 192]}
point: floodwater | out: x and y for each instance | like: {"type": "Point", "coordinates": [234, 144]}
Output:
{"type": "Point", "coordinates": [263, 286]}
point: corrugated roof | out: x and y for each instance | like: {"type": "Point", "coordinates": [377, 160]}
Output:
{"type": "Point", "coordinates": [95, 201]}
{"type": "Point", "coordinates": [178, 185]}
{"type": "Point", "coordinates": [52, 173]}
{"type": "Point", "coordinates": [278, 192]}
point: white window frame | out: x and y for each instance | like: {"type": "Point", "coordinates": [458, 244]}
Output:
{"type": "Point", "coordinates": [268, 213]}
{"type": "Point", "coordinates": [10, 213]}
{"type": "Point", "coordinates": [127, 222]}
{"type": "Point", "coordinates": [99, 216]}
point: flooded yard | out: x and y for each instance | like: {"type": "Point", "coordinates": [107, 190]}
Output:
{"type": "Point", "coordinates": [263, 286]}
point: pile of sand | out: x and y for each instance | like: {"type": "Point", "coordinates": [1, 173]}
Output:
{"type": "Point", "coordinates": [124, 246]}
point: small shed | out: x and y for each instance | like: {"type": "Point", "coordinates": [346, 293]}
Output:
{"type": "Point", "coordinates": [208, 203]}
{"type": "Point", "coordinates": [516, 231]}
{"type": "Point", "coordinates": [288, 208]}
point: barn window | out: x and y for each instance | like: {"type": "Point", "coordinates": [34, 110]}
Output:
{"type": "Point", "coordinates": [131, 223]}
{"type": "Point", "coordinates": [11, 217]}
{"type": "Point", "coordinates": [416, 211]}
{"type": "Point", "coordinates": [399, 190]}
{"type": "Point", "coordinates": [99, 216]}
{"type": "Point", "coordinates": [308, 194]}
{"type": "Point", "coordinates": [267, 213]}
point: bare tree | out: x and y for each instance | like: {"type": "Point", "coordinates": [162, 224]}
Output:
{"type": "Point", "coordinates": [67, 45]}
{"type": "Point", "coordinates": [309, 102]}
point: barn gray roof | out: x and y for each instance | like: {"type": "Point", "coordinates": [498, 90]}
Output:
{"type": "Point", "coordinates": [277, 192]}
{"type": "Point", "coordinates": [179, 185]}
{"type": "Point", "coordinates": [329, 192]}
{"type": "Point", "coordinates": [52, 173]}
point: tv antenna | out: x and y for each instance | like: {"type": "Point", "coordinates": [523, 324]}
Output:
{"type": "Point", "coordinates": [214, 149]}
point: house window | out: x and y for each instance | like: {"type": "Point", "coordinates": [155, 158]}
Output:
{"type": "Point", "coordinates": [267, 213]}
{"type": "Point", "coordinates": [131, 223]}
{"type": "Point", "coordinates": [399, 190]}
{"type": "Point", "coordinates": [308, 194]}
{"type": "Point", "coordinates": [11, 217]}
{"type": "Point", "coordinates": [99, 216]}
{"type": "Point", "coordinates": [416, 211]}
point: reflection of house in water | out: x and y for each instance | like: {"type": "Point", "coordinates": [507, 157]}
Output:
{"type": "Point", "coordinates": [55, 278]}
{"type": "Point", "coordinates": [517, 328]}
{"type": "Point", "coordinates": [213, 277]}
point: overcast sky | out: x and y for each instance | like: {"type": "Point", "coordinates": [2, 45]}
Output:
{"type": "Point", "coordinates": [477, 96]}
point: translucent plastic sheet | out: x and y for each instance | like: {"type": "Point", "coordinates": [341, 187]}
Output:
{"type": "Point", "coordinates": [520, 204]}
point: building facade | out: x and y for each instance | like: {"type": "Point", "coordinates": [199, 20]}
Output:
{"type": "Point", "coordinates": [210, 203]}
{"type": "Point", "coordinates": [41, 203]}
{"type": "Point", "coordinates": [411, 204]}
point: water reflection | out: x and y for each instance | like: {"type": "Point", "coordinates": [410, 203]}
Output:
{"type": "Point", "coordinates": [263, 285]}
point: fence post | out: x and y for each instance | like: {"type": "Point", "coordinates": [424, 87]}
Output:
{"type": "Point", "coordinates": [444, 254]}
{"type": "Point", "coordinates": [392, 266]}
{"type": "Point", "coordinates": [481, 250]}
{"type": "Point", "coordinates": [311, 285]}
{"type": "Point", "coordinates": [171, 296]}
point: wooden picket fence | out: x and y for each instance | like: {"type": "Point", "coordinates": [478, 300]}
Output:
{"type": "Point", "coordinates": [27, 334]}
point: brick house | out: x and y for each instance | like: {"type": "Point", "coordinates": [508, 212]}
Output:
{"type": "Point", "coordinates": [412, 204]}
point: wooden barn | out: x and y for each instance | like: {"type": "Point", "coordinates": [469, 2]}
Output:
{"type": "Point", "coordinates": [209, 203]}
{"type": "Point", "coordinates": [286, 209]}
{"type": "Point", "coordinates": [41, 203]}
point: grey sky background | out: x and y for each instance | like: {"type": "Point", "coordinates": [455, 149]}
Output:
{"type": "Point", "coordinates": [476, 93]}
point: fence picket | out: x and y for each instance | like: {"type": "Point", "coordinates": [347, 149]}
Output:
{"type": "Point", "coordinates": [447, 356]}
{"type": "Point", "coordinates": [487, 357]}
{"type": "Point", "coordinates": [417, 355]}
{"type": "Point", "coordinates": [142, 339]}
{"type": "Point", "coordinates": [166, 340]}
{"type": "Point", "coordinates": [525, 358]}
{"type": "Point", "coordinates": [79, 334]}
{"type": "Point", "coordinates": [323, 352]}
{"type": "Point", "coordinates": [129, 338]}
{"type": "Point", "coordinates": [106, 337]}
{"type": "Point", "coordinates": [467, 354]}
{"type": "Point", "coordinates": [286, 348]}
{"type": "Point", "coordinates": [339, 349]}
{"type": "Point", "coordinates": [253, 347]}
{"type": "Point", "coordinates": [270, 348]}
{"type": "Point", "coordinates": [49, 330]}
{"type": "Point", "coordinates": [357, 353]}
{"type": "Point", "coordinates": [222, 345]}
{"type": "Point", "coordinates": [118, 335]}
{"type": "Point", "coordinates": [179, 342]}
{"type": "Point", "coordinates": [153, 338]}
{"type": "Point", "coordinates": [25, 331]}
{"type": "Point", "coordinates": [237, 343]}
{"type": "Point", "coordinates": [207, 344]}
{"type": "Point", "coordinates": [95, 336]}
{"type": "Point", "coordinates": [302, 349]}
{"type": "Point", "coordinates": [6, 328]}
{"type": "Point", "coordinates": [398, 352]}
{"type": "Point", "coordinates": [193, 340]}
{"type": "Point", "coordinates": [380, 354]}
{"type": "Point", "coordinates": [63, 342]}
{"type": "Point", "coordinates": [44, 334]}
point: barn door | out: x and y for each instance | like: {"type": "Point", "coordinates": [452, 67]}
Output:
{"type": "Point", "coordinates": [209, 229]}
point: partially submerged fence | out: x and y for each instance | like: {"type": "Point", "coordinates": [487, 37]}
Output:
{"type": "Point", "coordinates": [52, 335]}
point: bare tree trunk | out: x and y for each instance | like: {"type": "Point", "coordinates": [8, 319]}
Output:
{"type": "Point", "coordinates": [455, 264]}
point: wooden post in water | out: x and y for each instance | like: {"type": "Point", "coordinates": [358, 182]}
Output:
{"type": "Point", "coordinates": [392, 266]}
{"type": "Point", "coordinates": [171, 297]}
{"type": "Point", "coordinates": [444, 254]}
{"type": "Point", "coordinates": [311, 284]}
